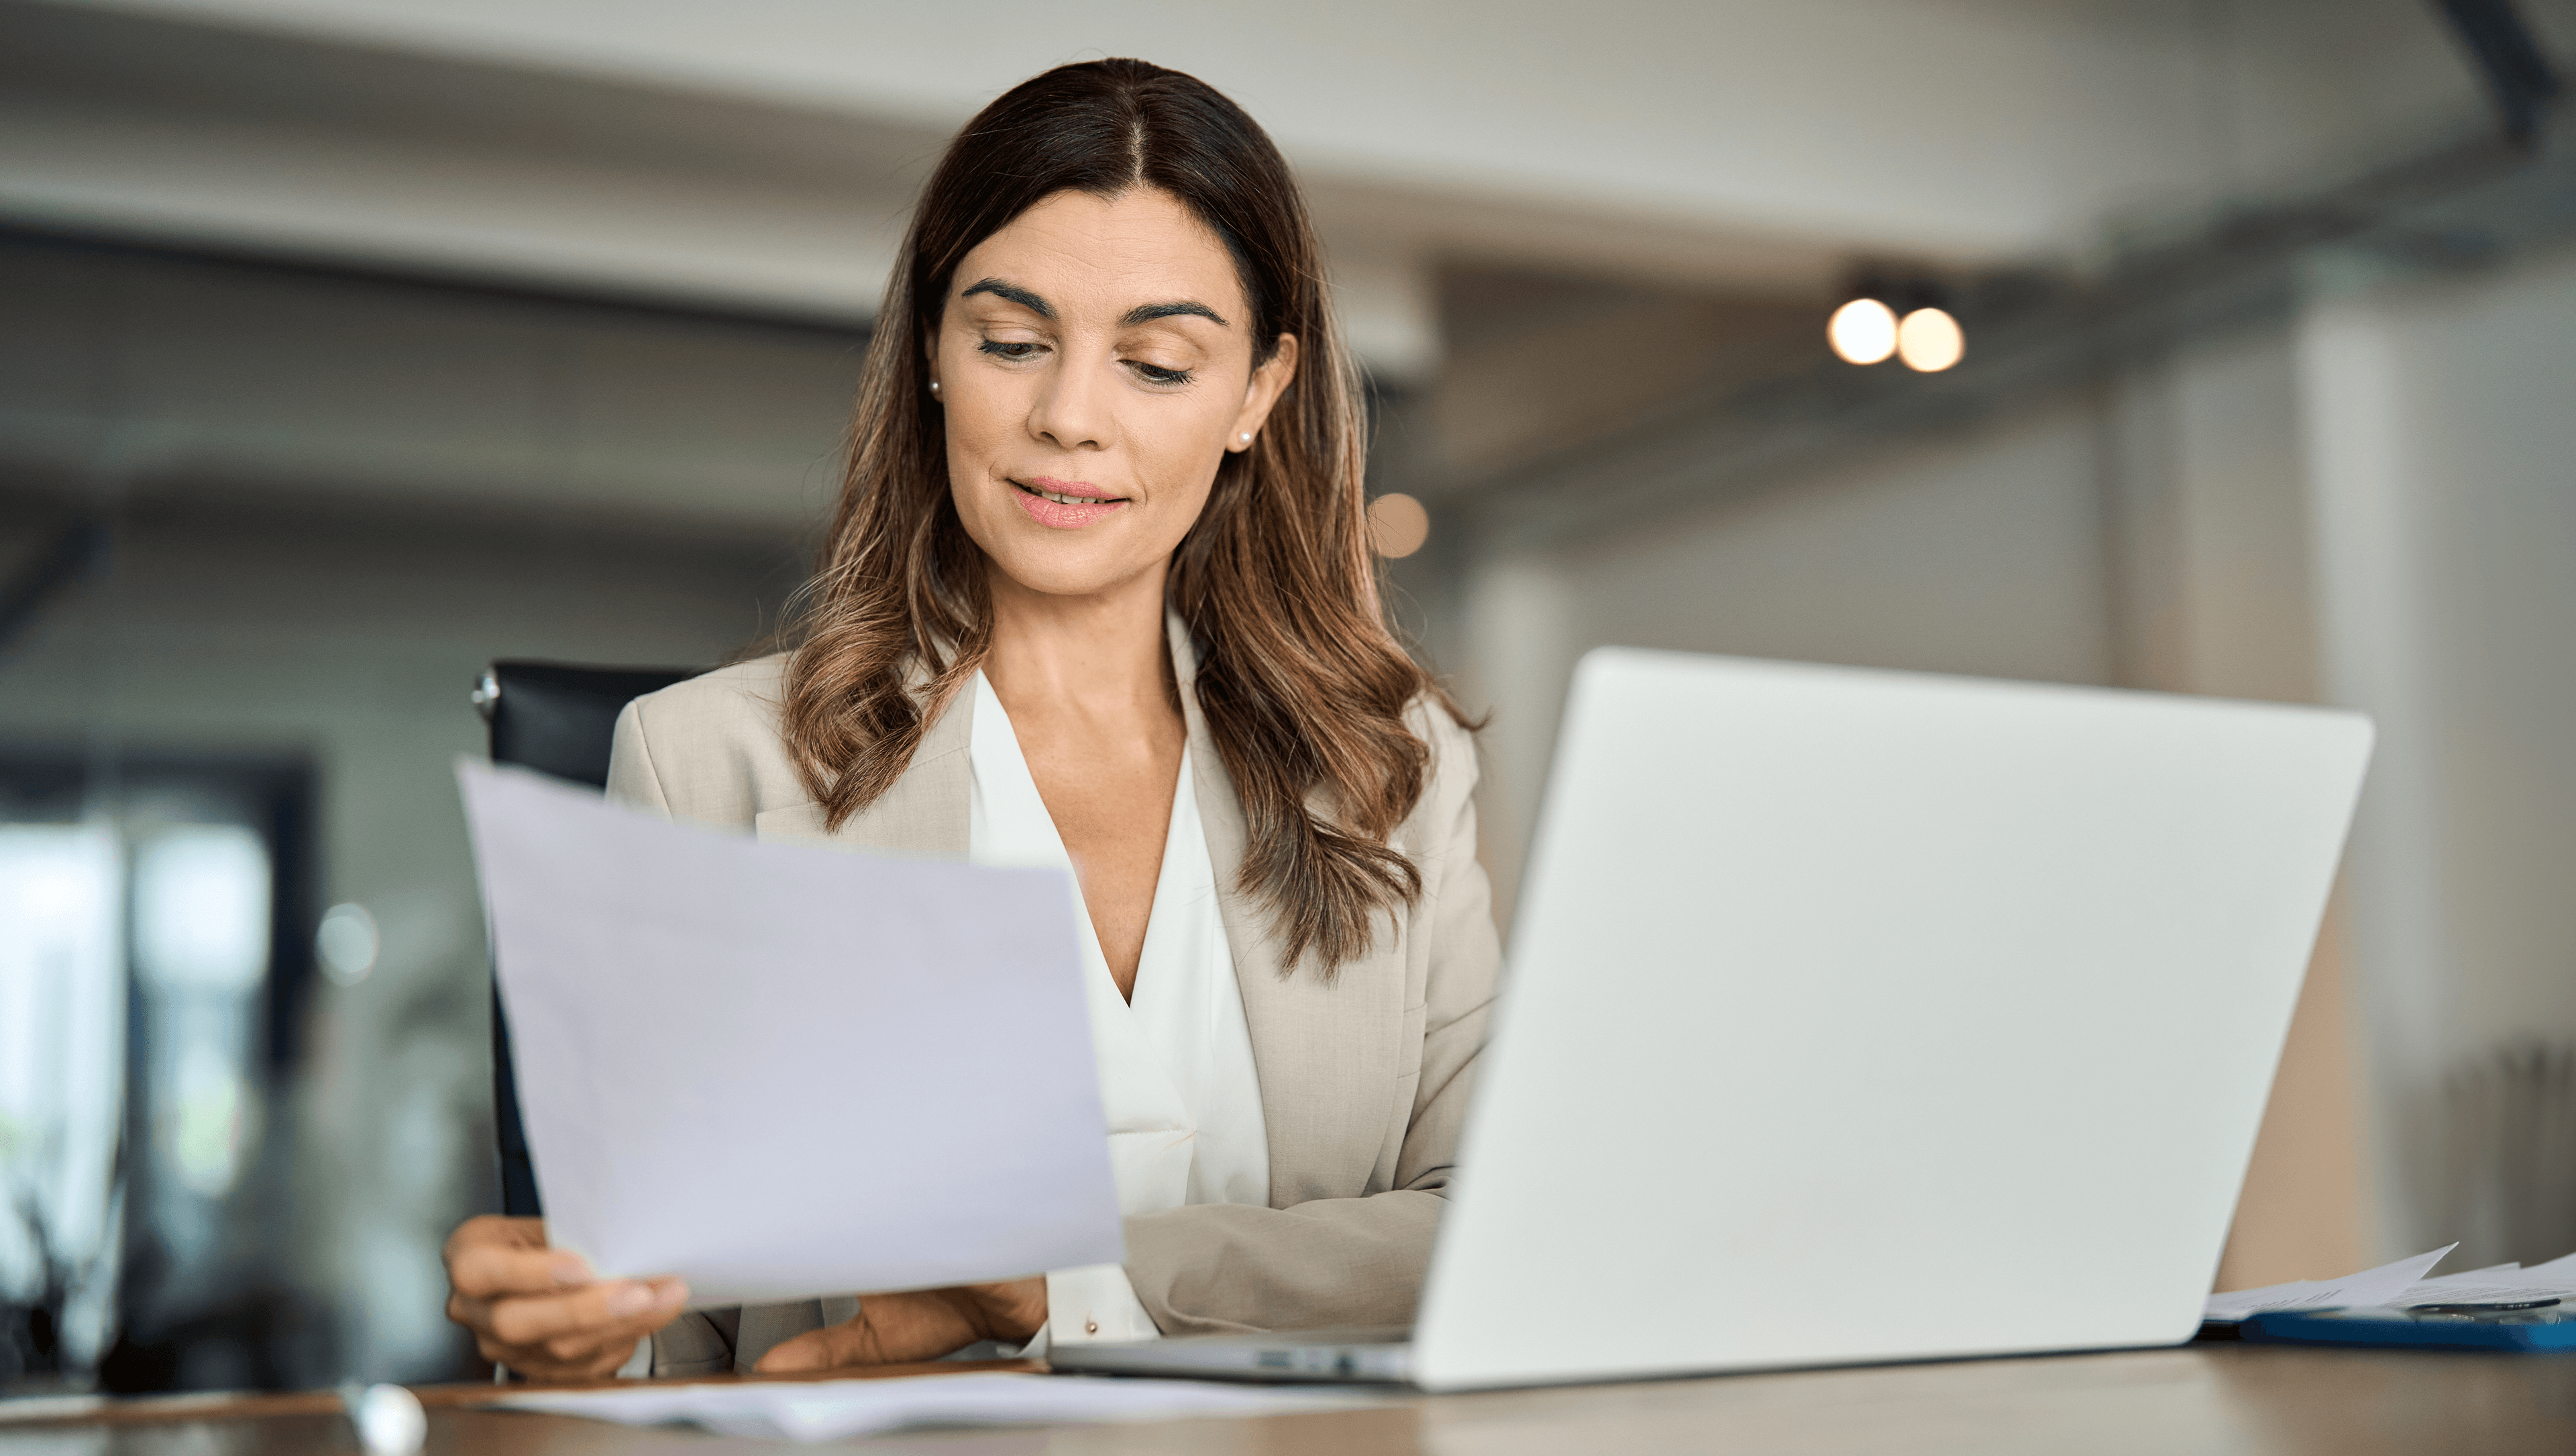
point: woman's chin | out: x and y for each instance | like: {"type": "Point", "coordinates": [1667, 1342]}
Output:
{"type": "Point", "coordinates": [1072, 569]}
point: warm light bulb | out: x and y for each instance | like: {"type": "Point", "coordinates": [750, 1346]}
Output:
{"type": "Point", "coordinates": [1929, 340]}
{"type": "Point", "coordinates": [1862, 331]}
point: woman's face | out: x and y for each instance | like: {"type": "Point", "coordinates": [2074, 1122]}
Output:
{"type": "Point", "coordinates": [1094, 364]}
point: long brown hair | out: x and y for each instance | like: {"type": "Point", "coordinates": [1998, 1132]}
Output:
{"type": "Point", "coordinates": [1303, 687]}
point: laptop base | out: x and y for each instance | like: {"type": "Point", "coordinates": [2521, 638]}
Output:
{"type": "Point", "coordinates": [1298, 1357]}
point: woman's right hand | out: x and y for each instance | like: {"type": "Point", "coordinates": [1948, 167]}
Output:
{"type": "Point", "coordinates": [540, 1311]}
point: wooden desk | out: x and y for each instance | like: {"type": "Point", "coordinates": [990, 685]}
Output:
{"type": "Point", "coordinates": [2243, 1400]}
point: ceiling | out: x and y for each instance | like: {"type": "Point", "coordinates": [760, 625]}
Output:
{"type": "Point", "coordinates": [761, 155]}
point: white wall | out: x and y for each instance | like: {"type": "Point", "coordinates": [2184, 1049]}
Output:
{"type": "Point", "coordinates": [1977, 553]}
{"type": "Point", "coordinates": [2441, 422]}
{"type": "Point", "coordinates": [2206, 481]}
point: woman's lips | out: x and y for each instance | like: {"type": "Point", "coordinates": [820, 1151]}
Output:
{"type": "Point", "coordinates": [1064, 504]}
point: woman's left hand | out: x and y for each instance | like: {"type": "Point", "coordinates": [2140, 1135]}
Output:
{"type": "Point", "coordinates": [898, 1329]}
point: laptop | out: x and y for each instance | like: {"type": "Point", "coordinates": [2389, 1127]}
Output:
{"type": "Point", "coordinates": [1859, 1016]}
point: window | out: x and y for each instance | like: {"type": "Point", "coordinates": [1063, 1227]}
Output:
{"type": "Point", "coordinates": [155, 956]}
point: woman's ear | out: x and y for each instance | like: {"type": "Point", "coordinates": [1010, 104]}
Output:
{"type": "Point", "coordinates": [1267, 384]}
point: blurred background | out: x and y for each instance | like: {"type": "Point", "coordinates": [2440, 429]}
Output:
{"type": "Point", "coordinates": [346, 345]}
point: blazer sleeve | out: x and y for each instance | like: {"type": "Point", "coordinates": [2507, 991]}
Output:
{"type": "Point", "coordinates": [1352, 1262]}
{"type": "Point", "coordinates": [632, 778]}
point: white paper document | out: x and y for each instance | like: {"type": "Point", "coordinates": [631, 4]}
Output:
{"type": "Point", "coordinates": [2404, 1283]}
{"type": "Point", "coordinates": [782, 1071]}
{"type": "Point", "coordinates": [835, 1410]}
{"type": "Point", "coordinates": [2371, 1286]}
{"type": "Point", "coordinates": [2502, 1282]}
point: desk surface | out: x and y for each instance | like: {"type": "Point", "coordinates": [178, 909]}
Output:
{"type": "Point", "coordinates": [2233, 1399]}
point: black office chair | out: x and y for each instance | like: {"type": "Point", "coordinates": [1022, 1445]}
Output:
{"type": "Point", "coordinates": [556, 719]}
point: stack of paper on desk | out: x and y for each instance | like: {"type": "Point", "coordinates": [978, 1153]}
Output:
{"type": "Point", "coordinates": [2404, 1283]}
{"type": "Point", "coordinates": [782, 1071]}
{"type": "Point", "coordinates": [2555, 1279]}
{"type": "Point", "coordinates": [833, 1410]}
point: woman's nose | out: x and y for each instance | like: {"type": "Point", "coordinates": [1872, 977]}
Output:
{"type": "Point", "coordinates": [1073, 409]}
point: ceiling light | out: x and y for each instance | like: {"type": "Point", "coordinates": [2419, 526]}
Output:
{"type": "Point", "coordinates": [1929, 340]}
{"type": "Point", "coordinates": [1862, 331]}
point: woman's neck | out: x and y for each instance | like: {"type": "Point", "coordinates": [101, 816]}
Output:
{"type": "Point", "coordinates": [1103, 655]}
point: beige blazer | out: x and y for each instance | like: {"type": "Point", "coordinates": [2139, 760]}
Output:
{"type": "Point", "coordinates": [1364, 1081]}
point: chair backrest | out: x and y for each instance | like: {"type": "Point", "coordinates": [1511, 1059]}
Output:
{"type": "Point", "coordinates": [558, 719]}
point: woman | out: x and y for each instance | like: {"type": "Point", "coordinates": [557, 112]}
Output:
{"type": "Point", "coordinates": [1097, 594]}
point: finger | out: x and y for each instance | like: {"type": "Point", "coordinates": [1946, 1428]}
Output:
{"type": "Point", "coordinates": [499, 1228]}
{"type": "Point", "coordinates": [594, 1312]}
{"type": "Point", "coordinates": [588, 1353]}
{"type": "Point", "coordinates": [474, 1314]}
{"type": "Point", "coordinates": [823, 1349]}
{"type": "Point", "coordinates": [593, 1351]}
{"type": "Point", "coordinates": [489, 1271]}
{"type": "Point", "coordinates": [889, 1329]}
{"type": "Point", "coordinates": [496, 1229]}
{"type": "Point", "coordinates": [586, 1362]}
{"type": "Point", "coordinates": [1013, 1309]}
{"type": "Point", "coordinates": [561, 1359]}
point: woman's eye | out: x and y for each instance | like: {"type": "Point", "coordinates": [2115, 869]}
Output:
{"type": "Point", "coordinates": [1157, 374]}
{"type": "Point", "coordinates": [1010, 349]}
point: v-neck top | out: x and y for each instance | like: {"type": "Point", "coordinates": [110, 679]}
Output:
{"type": "Point", "coordinates": [1177, 1080]}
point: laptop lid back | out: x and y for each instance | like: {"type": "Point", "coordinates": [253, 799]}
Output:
{"type": "Point", "coordinates": [1858, 1016]}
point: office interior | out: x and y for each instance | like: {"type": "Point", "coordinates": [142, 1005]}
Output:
{"type": "Point", "coordinates": [349, 345]}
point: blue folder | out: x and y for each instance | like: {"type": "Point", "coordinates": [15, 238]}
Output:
{"type": "Point", "coordinates": [2550, 1328]}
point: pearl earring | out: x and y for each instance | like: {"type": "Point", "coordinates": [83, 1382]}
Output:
{"type": "Point", "coordinates": [1245, 437]}
{"type": "Point", "coordinates": [934, 387]}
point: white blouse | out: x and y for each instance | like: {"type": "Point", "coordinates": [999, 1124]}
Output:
{"type": "Point", "coordinates": [1176, 1073]}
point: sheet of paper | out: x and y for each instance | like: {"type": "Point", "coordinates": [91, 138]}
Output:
{"type": "Point", "coordinates": [2390, 1285]}
{"type": "Point", "coordinates": [2561, 1270]}
{"type": "Point", "coordinates": [2387, 1282]}
{"type": "Point", "coordinates": [2472, 1293]}
{"type": "Point", "coordinates": [2553, 1280]}
{"type": "Point", "coordinates": [2486, 1275]}
{"type": "Point", "coordinates": [2371, 1286]}
{"type": "Point", "coordinates": [835, 1410]}
{"type": "Point", "coordinates": [2236, 1304]}
{"type": "Point", "coordinates": [781, 1071]}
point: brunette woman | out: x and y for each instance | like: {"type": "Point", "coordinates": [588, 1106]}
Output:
{"type": "Point", "coordinates": [1098, 594]}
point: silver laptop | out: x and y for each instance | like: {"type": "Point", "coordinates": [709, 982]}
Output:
{"type": "Point", "coordinates": [1863, 1016]}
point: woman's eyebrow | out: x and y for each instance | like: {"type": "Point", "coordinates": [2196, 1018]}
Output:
{"type": "Point", "coordinates": [1145, 313]}
{"type": "Point", "coordinates": [1010, 293]}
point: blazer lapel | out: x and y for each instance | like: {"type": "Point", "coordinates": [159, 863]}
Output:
{"type": "Point", "coordinates": [1327, 1055]}
{"type": "Point", "coordinates": [922, 816]}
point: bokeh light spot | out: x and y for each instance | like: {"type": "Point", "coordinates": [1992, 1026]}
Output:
{"type": "Point", "coordinates": [1862, 331]}
{"type": "Point", "coordinates": [1929, 340]}
{"type": "Point", "coordinates": [347, 943]}
{"type": "Point", "coordinates": [1398, 525]}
